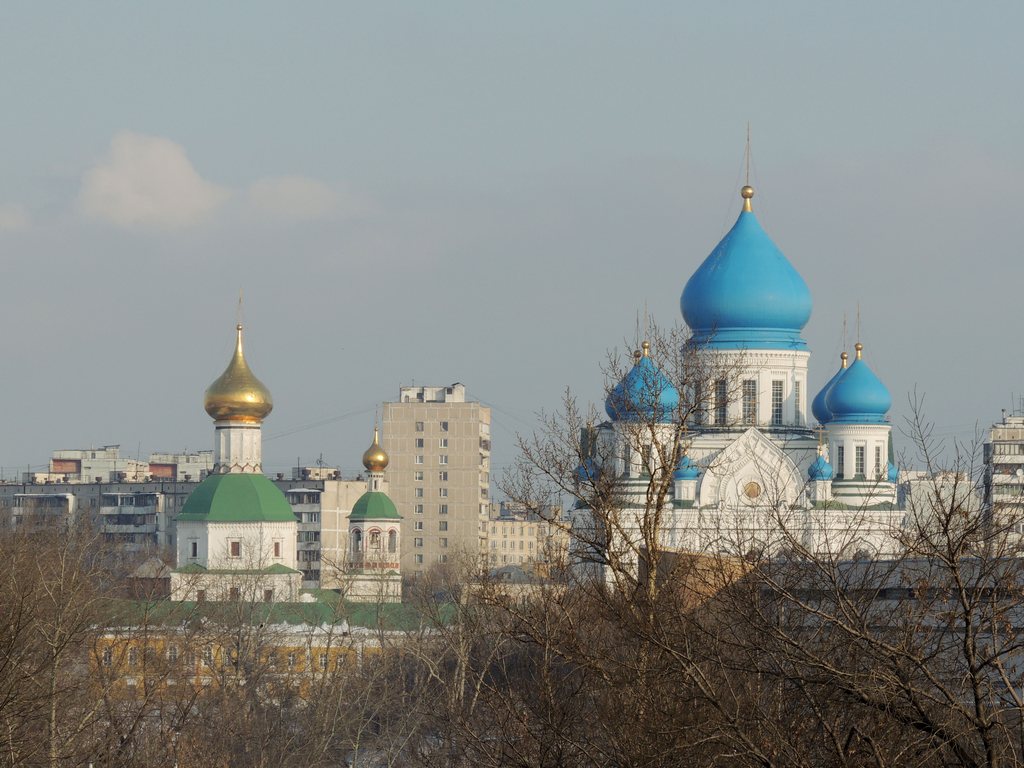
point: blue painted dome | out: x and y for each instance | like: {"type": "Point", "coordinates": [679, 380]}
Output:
{"type": "Point", "coordinates": [686, 469]}
{"type": "Point", "coordinates": [859, 397]}
{"type": "Point", "coordinates": [892, 473]}
{"type": "Point", "coordinates": [819, 407]}
{"type": "Point", "coordinates": [644, 394]}
{"type": "Point", "coordinates": [820, 469]}
{"type": "Point", "coordinates": [746, 294]}
{"type": "Point", "coordinates": [588, 471]}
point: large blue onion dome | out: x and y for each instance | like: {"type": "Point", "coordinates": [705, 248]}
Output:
{"type": "Point", "coordinates": [819, 407]}
{"type": "Point", "coordinates": [686, 469]}
{"type": "Point", "coordinates": [746, 294]}
{"type": "Point", "coordinates": [859, 397]}
{"type": "Point", "coordinates": [820, 469]}
{"type": "Point", "coordinates": [644, 394]}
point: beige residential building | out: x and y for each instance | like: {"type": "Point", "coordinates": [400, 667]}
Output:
{"type": "Point", "coordinates": [533, 542]}
{"type": "Point", "coordinates": [439, 476]}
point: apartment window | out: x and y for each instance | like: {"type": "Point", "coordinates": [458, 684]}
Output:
{"type": "Point", "coordinates": [777, 403]}
{"type": "Point", "coordinates": [878, 461]}
{"type": "Point", "coordinates": [796, 403]}
{"type": "Point", "coordinates": [292, 659]}
{"type": "Point", "coordinates": [417, 541]}
{"type": "Point", "coordinates": [858, 459]}
{"type": "Point", "coordinates": [277, 549]}
{"type": "Point", "coordinates": [418, 559]}
{"type": "Point", "coordinates": [419, 509]}
{"type": "Point", "coordinates": [323, 661]}
{"type": "Point", "coordinates": [444, 426]}
{"type": "Point", "coordinates": [840, 462]}
{"type": "Point", "coordinates": [194, 548]}
{"type": "Point", "coordinates": [419, 426]}
{"type": "Point", "coordinates": [419, 442]}
{"type": "Point", "coordinates": [443, 525]}
{"type": "Point", "coordinates": [234, 594]}
{"type": "Point", "coordinates": [443, 476]}
{"type": "Point", "coordinates": [418, 476]}
{"type": "Point", "coordinates": [442, 443]}
{"type": "Point", "coordinates": [720, 403]}
{"type": "Point", "coordinates": [494, 545]}
{"type": "Point", "coordinates": [419, 459]}
{"type": "Point", "coordinates": [200, 595]}
{"type": "Point", "coordinates": [749, 401]}
{"type": "Point", "coordinates": [442, 509]}
{"type": "Point", "coordinates": [419, 493]}
{"type": "Point", "coordinates": [417, 525]}
{"type": "Point", "coordinates": [443, 493]}
{"type": "Point", "coordinates": [442, 460]}
{"type": "Point", "coordinates": [235, 548]}
{"type": "Point", "coordinates": [108, 657]}
{"type": "Point", "coordinates": [268, 595]}
{"type": "Point", "coordinates": [444, 542]}
{"type": "Point", "coordinates": [442, 558]}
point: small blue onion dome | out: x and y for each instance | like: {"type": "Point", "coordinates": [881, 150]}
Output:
{"type": "Point", "coordinates": [686, 469]}
{"type": "Point", "coordinates": [819, 407]}
{"type": "Point", "coordinates": [859, 397]}
{"type": "Point", "coordinates": [644, 394]}
{"type": "Point", "coordinates": [820, 469]}
{"type": "Point", "coordinates": [746, 294]}
{"type": "Point", "coordinates": [892, 473]}
{"type": "Point", "coordinates": [588, 471]}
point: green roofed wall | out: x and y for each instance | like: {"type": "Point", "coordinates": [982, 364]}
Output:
{"type": "Point", "coordinates": [237, 498]}
{"type": "Point", "coordinates": [374, 505]}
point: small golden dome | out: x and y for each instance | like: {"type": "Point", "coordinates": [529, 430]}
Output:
{"type": "Point", "coordinates": [845, 358]}
{"type": "Point", "coordinates": [860, 349]}
{"type": "Point", "coordinates": [237, 395]}
{"type": "Point", "coordinates": [376, 458]}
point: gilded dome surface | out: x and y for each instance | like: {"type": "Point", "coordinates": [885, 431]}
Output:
{"type": "Point", "coordinates": [237, 395]}
{"type": "Point", "coordinates": [376, 458]}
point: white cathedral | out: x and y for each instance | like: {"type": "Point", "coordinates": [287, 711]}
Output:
{"type": "Point", "coordinates": [751, 473]}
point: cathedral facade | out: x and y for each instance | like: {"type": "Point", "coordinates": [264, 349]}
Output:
{"type": "Point", "coordinates": [719, 455]}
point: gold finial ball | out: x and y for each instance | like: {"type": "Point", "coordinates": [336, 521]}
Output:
{"type": "Point", "coordinates": [747, 192]}
{"type": "Point", "coordinates": [646, 347]}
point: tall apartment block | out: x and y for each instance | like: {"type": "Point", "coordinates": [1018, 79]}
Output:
{"type": "Point", "coordinates": [1004, 473]}
{"type": "Point", "coordinates": [439, 476]}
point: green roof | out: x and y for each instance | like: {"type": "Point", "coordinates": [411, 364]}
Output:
{"type": "Point", "coordinates": [326, 609]}
{"type": "Point", "coordinates": [237, 498]}
{"type": "Point", "coordinates": [374, 505]}
{"type": "Point", "coordinates": [270, 570]}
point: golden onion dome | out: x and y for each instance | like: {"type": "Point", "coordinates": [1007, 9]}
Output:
{"type": "Point", "coordinates": [376, 458]}
{"type": "Point", "coordinates": [237, 395]}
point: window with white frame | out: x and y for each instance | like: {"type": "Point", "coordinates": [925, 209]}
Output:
{"type": "Point", "coordinates": [777, 403]}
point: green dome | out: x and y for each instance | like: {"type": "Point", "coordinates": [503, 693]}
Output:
{"type": "Point", "coordinates": [374, 505]}
{"type": "Point", "coordinates": [237, 498]}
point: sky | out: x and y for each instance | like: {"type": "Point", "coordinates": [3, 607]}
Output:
{"type": "Point", "coordinates": [490, 193]}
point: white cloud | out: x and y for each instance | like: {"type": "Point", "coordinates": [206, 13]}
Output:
{"type": "Point", "coordinates": [297, 198]}
{"type": "Point", "coordinates": [14, 217]}
{"type": "Point", "coordinates": [148, 182]}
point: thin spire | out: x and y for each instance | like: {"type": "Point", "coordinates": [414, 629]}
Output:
{"type": "Point", "coordinates": [747, 157]}
{"type": "Point", "coordinates": [748, 191]}
{"type": "Point", "coordinates": [858, 322]}
{"type": "Point", "coordinates": [238, 312]}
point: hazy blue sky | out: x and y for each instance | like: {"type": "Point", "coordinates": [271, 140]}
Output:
{"type": "Point", "coordinates": [486, 193]}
